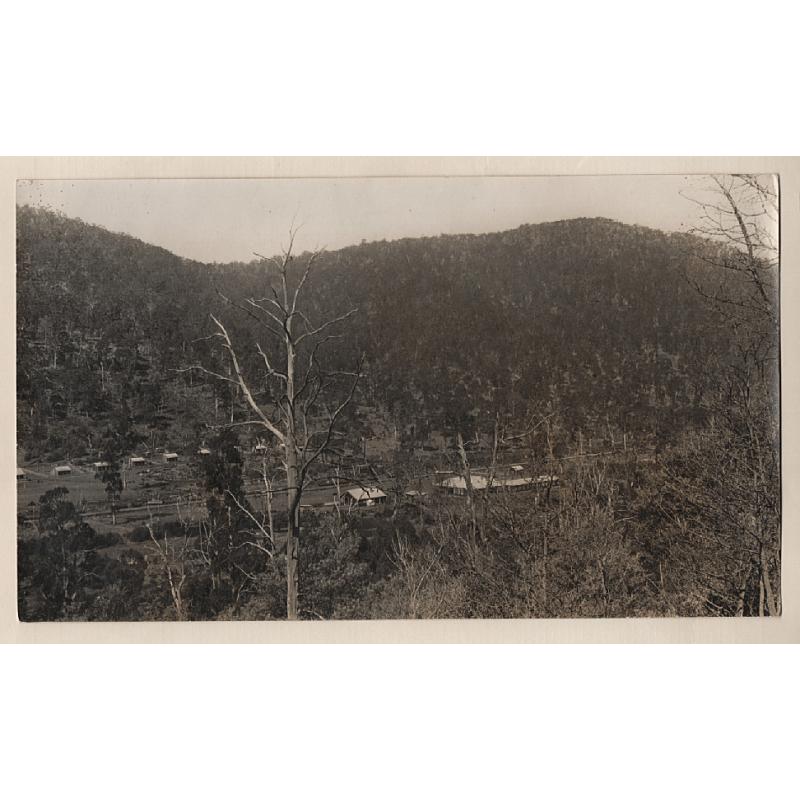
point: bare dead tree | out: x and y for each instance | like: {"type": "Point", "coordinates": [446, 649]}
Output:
{"type": "Point", "coordinates": [740, 214]}
{"type": "Point", "coordinates": [310, 400]}
{"type": "Point", "coordinates": [469, 489]}
{"type": "Point", "coordinates": [735, 489]}
{"type": "Point", "coordinates": [173, 564]}
{"type": "Point", "coordinates": [269, 518]}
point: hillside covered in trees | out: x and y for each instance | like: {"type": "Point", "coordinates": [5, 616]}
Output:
{"type": "Point", "coordinates": [624, 378]}
{"type": "Point", "coordinates": [588, 317]}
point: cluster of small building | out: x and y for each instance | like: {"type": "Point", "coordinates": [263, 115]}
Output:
{"type": "Point", "coordinates": [505, 479]}
{"type": "Point", "coordinates": [63, 470]}
{"type": "Point", "coordinates": [453, 484]}
{"type": "Point", "coordinates": [135, 462]}
{"type": "Point", "coordinates": [140, 461]}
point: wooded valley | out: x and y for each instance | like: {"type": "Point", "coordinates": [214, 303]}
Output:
{"type": "Point", "coordinates": [568, 419]}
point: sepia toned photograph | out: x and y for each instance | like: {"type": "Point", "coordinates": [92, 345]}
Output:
{"type": "Point", "coordinates": [452, 392]}
{"type": "Point", "coordinates": [398, 398]}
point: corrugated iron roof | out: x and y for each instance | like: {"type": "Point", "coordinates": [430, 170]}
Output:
{"type": "Point", "coordinates": [368, 493]}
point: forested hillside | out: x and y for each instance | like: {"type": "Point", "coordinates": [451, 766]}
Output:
{"type": "Point", "coordinates": [589, 315]}
{"type": "Point", "coordinates": [577, 418]}
{"type": "Point", "coordinates": [589, 318]}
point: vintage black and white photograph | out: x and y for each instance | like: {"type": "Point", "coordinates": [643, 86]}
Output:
{"type": "Point", "coordinates": [389, 398]}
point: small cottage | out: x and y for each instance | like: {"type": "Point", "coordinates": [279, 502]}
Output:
{"type": "Point", "coordinates": [367, 496]}
{"type": "Point", "coordinates": [62, 470]}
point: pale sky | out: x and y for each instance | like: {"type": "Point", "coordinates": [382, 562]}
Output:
{"type": "Point", "coordinates": [228, 219]}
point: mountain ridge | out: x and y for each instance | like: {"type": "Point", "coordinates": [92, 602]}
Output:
{"type": "Point", "coordinates": [578, 309]}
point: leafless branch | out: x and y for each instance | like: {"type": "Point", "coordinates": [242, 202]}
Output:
{"type": "Point", "coordinates": [267, 535]}
{"type": "Point", "coordinates": [200, 368]}
{"type": "Point", "coordinates": [244, 387]}
{"type": "Point", "coordinates": [334, 418]}
{"type": "Point", "coordinates": [326, 325]}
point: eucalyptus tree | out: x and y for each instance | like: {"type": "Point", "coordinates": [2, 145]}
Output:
{"type": "Point", "coordinates": [305, 400]}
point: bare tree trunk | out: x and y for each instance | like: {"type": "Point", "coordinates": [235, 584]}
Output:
{"type": "Point", "coordinates": [493, 464]}
{"type": "Point", "coordinates": [292, 536]}
{"type": "Point", "coordinates": [544, 571]}
{"type": "Point", "coordinates": [176, 577]}
{"type": "Point", "coordinates": [766, 584]}
{"type": "Point", "coordinates": [338, 497]}
{"type": "Point", "coordinates": [742, 593]}
{"type": "Point", "coordinates": [604, 585]}
{"type": "Point", "coordinates": [292, 490]}
{"type": "Point", "coordinates": [495, 444]}
{"type": "Point", "coordinates": [64, 578]}
{"type": "Point", "coordinates": [300, 386]}
{"type": "Point", "coordinates": [468, 482]}
{"type": "Point", "coordinates": [268, 507]}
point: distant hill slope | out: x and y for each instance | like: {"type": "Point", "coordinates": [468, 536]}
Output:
{"type": "Point", "coordinates": [590, 316]}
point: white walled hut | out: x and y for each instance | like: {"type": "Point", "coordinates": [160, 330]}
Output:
{"type": "Point", "coordinates": [203, 452]}
{"type": "Point", "coordinates": [62, 470]}
{"type": "Point", "coordinates": [363, 497]}
{"type": "Point", "coordinates": [20, 474]}
{"type": "Point", "coordinates": [101, 466]}
{"type": "Point", "coordinates": [169, 458]}
{"type": "Point", "coordinates": [457, 484]}
{"type": "Point", "coordinates": [136, 461]}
